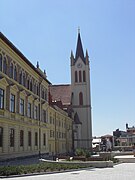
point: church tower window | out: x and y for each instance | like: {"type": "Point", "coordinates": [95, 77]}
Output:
{"type": "Point", "coordinates": [80, 76]}
{"type": "Point", "coordinates": [76, 78]}
{"type": "Point", "coordinates": [84, 76]}
{"type": "Point", "coordinates": [80, 98]}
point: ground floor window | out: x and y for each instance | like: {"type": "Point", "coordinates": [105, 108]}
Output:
{"type": "Point", "coordinates": [1, 136]}
{"type": "Point", "coordinates": [36, 138]}
{"type": "Point", "coordinates": [44, 139]}
{"type": "Point", "coordinates": [29, 138]}
{"type": "Point", "coordinates": [12, 137]}
{"type": "Point", "coordinates": [21, 137]}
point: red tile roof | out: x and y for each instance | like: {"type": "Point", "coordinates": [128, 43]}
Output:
{"type": "Point", "coordinates": [61, 93]}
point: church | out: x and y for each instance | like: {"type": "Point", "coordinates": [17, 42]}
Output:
{"type": "Point", "coordinates": [37, 117]}
{"type": "Point", "coordinates": [75, 98]}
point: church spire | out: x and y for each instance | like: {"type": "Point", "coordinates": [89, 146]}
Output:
{"type": "Point", "coordinates": [79, 48]}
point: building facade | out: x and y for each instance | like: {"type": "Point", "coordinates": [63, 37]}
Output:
{"type": "Point", "coordinates": [29, 125]}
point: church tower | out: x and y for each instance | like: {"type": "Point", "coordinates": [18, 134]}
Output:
{"type": "Point", "coordinates": [80, 97]}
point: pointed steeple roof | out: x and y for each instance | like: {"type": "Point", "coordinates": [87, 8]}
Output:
{"type": "Point", "coordinates": [79, 48]}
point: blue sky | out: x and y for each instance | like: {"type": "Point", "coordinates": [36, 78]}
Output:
{"type": "Point", "coordinates": [46, 31]}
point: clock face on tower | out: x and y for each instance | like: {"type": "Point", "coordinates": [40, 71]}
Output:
{"type": "Point", "coordinates": [79, 65]}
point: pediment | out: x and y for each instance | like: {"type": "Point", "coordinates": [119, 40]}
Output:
{"type": "Point", "coordinates": [44, 104]}
{"type": "Point", "coordinates": [30, 96]}
{"type": "Point", "coordinates": [36, 100]}
{"type": "Point", "coordinates": [14, 87]}
{"type": "Point", "coordinates": [4, 81]}
{"type": "Point", "coordinates": [23, 92]}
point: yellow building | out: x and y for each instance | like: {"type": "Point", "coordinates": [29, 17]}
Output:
{"type": "Point", "coordinates": [29, 124]}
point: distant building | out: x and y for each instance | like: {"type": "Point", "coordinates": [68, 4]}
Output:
{"type": "Point", "coordinates": [124, 138]}
{"type": "Point", "coordinates": [130, 134]}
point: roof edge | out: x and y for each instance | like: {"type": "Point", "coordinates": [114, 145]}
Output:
{"type": "Point", "coordinates": [19, 53]}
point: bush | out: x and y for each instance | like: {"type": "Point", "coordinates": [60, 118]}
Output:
{"type": "Point", "coordinates": [82, 152]}
{"type": "Point", "coordinates": [36, 168]}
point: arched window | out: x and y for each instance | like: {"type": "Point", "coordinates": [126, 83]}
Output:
{"type": "Point", "coordinates": [37, 89]}
{"type": "Point", "coordinates": [20, 77]}
{"type": "Point", "coordinates": [0, 62]}
{"type": "Point", "coordinates": [46, 94]}
{"type": "Point", "coordinates": [84, 76]}
{"type": "Point", "coordinates": [34, 90]}
{"type": "Point", "coordinates": [31, 85]}
{"type": "Point", "coordinates": [43, 93]}
{"type": "Point", "coordinates": [5, 65]}
{"type": "Point", "coordinates": [80, 98]}
{"type": "Point", "coordinates": [15, 73]}
{"type": "Point", "coordinates": [23, 79]}
{"type": "Point", "coordinates": [11, 70]}
{"type": "Point", "coordinates": [28, 84]}
{"type": "Point", "coordinates": [76, 78]}
{"type": "Point", "coordinates": [80, 76]}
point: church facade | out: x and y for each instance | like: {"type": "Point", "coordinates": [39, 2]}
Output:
{"type": "Point", "coordinates": [76, 97]}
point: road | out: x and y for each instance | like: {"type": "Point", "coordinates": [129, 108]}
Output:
{"type": "Point", "coordinates": [125, 171]}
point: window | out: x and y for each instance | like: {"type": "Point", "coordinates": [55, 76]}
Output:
{"type": "Point", "coordinates": [21, 137]}
{"type": "Point", "coordinates": [0, 62]}
{"type": "Point", "coordinates": [29, 110]}
{"type": "Point", "coordinates": [76, 78]}
{"type": "Point", "coordinates": [35, 112]}
{"type": "Point", "coordinates": [28, 84]}
{"type": "Point", "coordinates": [80, 98]}
{"type": "Point", "coordinates": [1, 136]}
{"type": "Point", "coordinates": [36, 138]}
{"type": "Point", "coordinates": [37, 90]}
{"type": "Point", "coordinates": [34, 88]}
{"type": "Point", "coordinates": [15, 74]}
{"type": "Point", "coordinates": [31, 85]}
{"type": "Point", "coordinates": [1, 98]}
{"type": "Point", "coordinates": [80, 76]}
{"type": "Point", "coordinates": [12, 103]}
{"type": "Point", "coordinates": [29, 138]}
{"type": "Point", "coordinates": [23, 80]}
{"type": "Point", "coordinates": [50, 119]}
{"type": "Point", "coordinates": [21, 106]}
{"type": "Point", "coordinates": [5, 66]}
{"type": "Point", "coordinates": [43, 94]}
{"type": "Point", "coordinates": [12, 137]}
{"type": "Point", "coordinates": [44, 116]}
{"type": "Point", "coordinates": [11, 70]}
{"type": "Point", "coordinates": [84, 76]}
{"type": "Point", "coordinates": [44, 139]}
{"type": "Point", "coordinates": [46, 94]}
{"type": "Point", "coordinates": [20, 77]}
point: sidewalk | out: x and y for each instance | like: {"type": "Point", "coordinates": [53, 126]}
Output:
{"type": "Point", "coordinates": [126, 158]}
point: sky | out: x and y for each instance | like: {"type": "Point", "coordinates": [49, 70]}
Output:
{"type": "Point", "coordinates": [46, 31]}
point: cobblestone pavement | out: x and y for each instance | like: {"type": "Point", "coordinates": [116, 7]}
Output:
{"type": "Point", "coordinates": [125, 171]}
